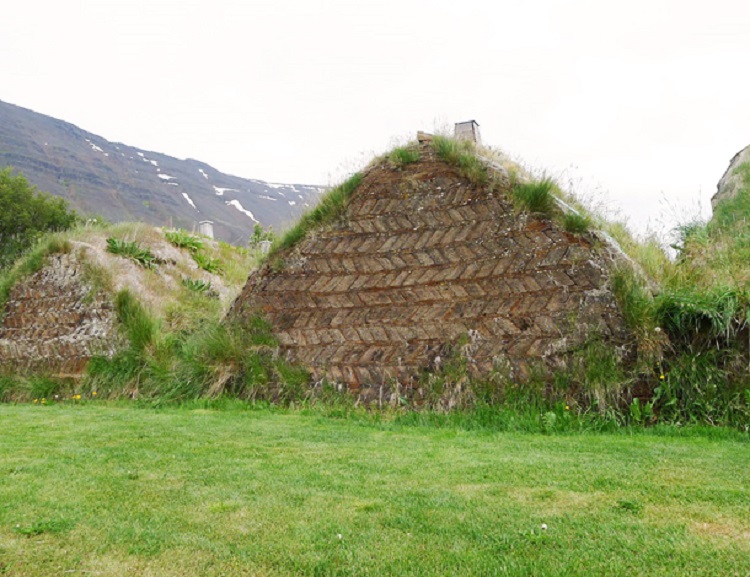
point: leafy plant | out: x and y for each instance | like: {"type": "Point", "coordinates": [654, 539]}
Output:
{"type": "Point", "coordinates": [205, 262]}
{"type": "Point", "coordinates": [697, 388]}
{"type": "Point", "coordinates": [642, 413]}
{"type": "Point", "coordinates": [196, 285]}
{"type": "Point", "coordinates": [132, 250]}
{"type": "Point", "coordinates": [181, 239]}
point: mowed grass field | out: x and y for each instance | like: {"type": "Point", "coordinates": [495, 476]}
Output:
{"type": "Point", "coordinates": [100, 489]}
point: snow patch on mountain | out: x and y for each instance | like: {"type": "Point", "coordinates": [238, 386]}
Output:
{"type": "Point", "coordinates": [190, 200]}
{"type": "Point", "coordinates": [236, 204]}
{"type": "Point", "coordinates": [94, 147]}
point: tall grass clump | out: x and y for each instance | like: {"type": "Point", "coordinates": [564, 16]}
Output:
{"type": "Point", "coordinates": [403, 156]}
{"type": "Point", "coordinates": [536, 196]}
{"type": "Point", "coordinates": [635, 300]}
{"type": "Point", "coordinates": [328, 210]}
{"type": "Point", "coordinates": [461, 154]}
{"type": "Point", "coordinates": [138, 325]}
{"type": "Point", "coordinates": [703, 308]}
{"type": "Point", "coordinates": [240, 359]}
{"type": "Point", "coordinates": [703, 387]}
{"type": "Point", "coordinates": [576, 222]}
{"type": "Point", "coordinates": [214, 359]}
{"type": "Point", "coordinates": [704, 318]}
{"type": "Point", "coordinates": [127, 370]}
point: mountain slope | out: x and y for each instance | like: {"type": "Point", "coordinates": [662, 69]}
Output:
{"type": "Point", "coordinates": [124, 183]}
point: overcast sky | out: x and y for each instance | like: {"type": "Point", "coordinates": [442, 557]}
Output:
{"type": "Point", "coordinates": [641, 103]}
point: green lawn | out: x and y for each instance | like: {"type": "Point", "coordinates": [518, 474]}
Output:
{"type": "Point", "coordinates": [111, 490]}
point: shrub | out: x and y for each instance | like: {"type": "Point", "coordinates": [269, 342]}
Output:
{"type": "Point", "coordinates": [26, 214]}
{"type": "Point", "coordinates": [692, 232]}
{"type": "Point", "coordinates": [260, 235]}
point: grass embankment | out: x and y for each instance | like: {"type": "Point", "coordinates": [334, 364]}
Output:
{"type": "Point", "coordinates": [106, 490]}
{"type": "Point", "coordinates": [170, 290]}
{"type": "Point", "coordinates": [689, 352]}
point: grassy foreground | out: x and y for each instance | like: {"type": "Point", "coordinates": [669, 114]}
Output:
{"type": "Point", "coordinates": [111, 490]}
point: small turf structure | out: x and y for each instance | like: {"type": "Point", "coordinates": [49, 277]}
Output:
{"type": "Point", "coordinates": [429, 253]}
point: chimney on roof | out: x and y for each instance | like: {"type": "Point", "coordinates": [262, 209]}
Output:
{"type": "Point", "coordinates": [468, 130]}
{"type": "Point", "coordinates": [206, 228]}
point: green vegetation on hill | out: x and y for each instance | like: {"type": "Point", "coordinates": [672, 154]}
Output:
{"type": "Point", "coordinates": [25, 215]}
{"type": "Point", "coordinates": [701, 305]}
{"type": "Point", "coordinates": [170, 314]}
{"type": "Point", "coordinates": [462, 154]}
{"type": "Point", "coordinates": [331, 206]}
{"type": "Point", "coordinates": [687, 363]}
{"type": "Point", "coordinates": [188, 351]}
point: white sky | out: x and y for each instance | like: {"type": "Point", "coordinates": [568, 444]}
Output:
{"type": "Point", "coordinates": [642, 103]}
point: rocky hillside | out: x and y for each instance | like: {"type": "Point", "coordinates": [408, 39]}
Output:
{"type": "Point", "coordinates": [124, 183]}
{"type": "Point", "coordinates": [733, 180]}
